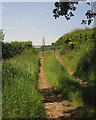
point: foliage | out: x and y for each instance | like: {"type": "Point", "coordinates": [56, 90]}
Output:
{"type": "Point", "coordinates": [82, 58]}
{"type": "Point", "coordinates": [20, 95]}
{"type": "Point", "coordinates": [78, 37]}
{"type": "Point", "coordinates": [66, 9]}
{"type": "Point", "coordinates": [9, 50]}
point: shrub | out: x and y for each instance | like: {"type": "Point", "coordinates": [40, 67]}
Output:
{"type": "Point", "coordinates": [9, 50]}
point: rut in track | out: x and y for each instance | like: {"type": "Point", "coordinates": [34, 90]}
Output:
{"type": "Point", "coordinates": [55, 108]}
{"type": "Point", "coordinates": [70, 71]}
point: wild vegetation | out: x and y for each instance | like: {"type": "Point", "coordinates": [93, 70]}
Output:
{"type": "Point", "coordinates": [20, 94]}
{"type": "Point", "coordinates": [78, 52]}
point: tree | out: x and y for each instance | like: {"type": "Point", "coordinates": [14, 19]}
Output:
{"type": "Point", "coordinates": [66, 9]}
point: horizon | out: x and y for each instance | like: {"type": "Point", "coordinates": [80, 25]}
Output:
{"type": "Point", "coordinates": [32, 21]}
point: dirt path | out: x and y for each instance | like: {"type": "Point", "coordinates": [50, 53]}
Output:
{"type": "Point", "coordinates": [54, 106]}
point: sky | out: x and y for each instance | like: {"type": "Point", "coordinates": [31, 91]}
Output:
{"type": "Point", "coordinates": [23, 21]}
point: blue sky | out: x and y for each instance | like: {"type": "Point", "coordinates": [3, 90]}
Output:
{"type": "Point", "coordinates": [32, 21]}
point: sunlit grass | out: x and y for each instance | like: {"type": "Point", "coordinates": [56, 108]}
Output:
{"type": "Point", "coordinates": [21, 97]}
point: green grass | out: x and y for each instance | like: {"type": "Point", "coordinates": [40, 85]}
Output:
{"type": "Point", "coordinates": [62, 82]}
{"type": "Point", "coordinates": [71, 59]}
{"type": "Point", "coordinates": [21, 97]}
{"type": "Point", "coordinates": [53, 69]}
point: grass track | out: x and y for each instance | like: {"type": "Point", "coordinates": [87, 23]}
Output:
{"type": "Point", "coordinates": [59, 78]}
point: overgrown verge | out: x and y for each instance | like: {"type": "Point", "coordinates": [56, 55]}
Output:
{"type": "Point", "coordinates": [21, 97]}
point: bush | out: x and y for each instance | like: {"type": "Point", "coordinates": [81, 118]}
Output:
{"type": "Point", "coordinates": [9, 50]}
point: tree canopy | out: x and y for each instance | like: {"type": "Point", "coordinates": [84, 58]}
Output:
{"type": "Point", "coordinates": [66, 9]}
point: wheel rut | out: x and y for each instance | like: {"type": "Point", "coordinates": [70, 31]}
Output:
{"type": "Point", "coordinates": [55, 108]}
{"type": "Point", "coordinates": [70, 71]}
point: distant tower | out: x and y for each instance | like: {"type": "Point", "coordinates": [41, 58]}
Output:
{"type": "Point", "coordinates": [43, 43]}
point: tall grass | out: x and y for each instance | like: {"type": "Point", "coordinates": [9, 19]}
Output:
{"type": "Point", "coordinates": [62, 82]}
{"type": "Point", "coordinates": [21, 97]}
{"type": "Point", "coordinates": [86, 68]}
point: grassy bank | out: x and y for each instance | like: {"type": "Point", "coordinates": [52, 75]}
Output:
{"type": "Point", "coordinates": [82, 62]}
{"type": "Point", "coordinates": [21, 97]}
{"type": "Point", "coordinates": [78, 50]}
